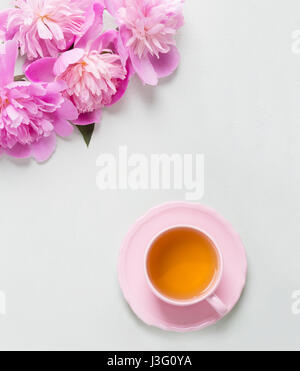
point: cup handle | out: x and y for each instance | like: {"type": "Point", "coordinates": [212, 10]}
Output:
{"type": "Point", "coordinates": [217, 305]}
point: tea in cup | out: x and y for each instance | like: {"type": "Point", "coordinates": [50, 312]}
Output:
{"type": "Point", "coordinates": [184, 266]}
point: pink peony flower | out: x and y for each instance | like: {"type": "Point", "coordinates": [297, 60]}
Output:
{"type": "Point", "coordinates": [30, 113]}
{"type": "Point", "coordinates": [44, 27]}
{"type": "Point", "coordinates": [93, 80]}
{"type": "Point", "coordinates": [95, 72]}
{"type": "Point", "coordinates": [147, 29]}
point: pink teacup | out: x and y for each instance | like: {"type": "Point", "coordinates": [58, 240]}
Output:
{"type": "Point", "coordinates": [209, 294]}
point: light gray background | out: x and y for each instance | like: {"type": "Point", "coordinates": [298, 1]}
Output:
{"type": "Point", "coordinates": [235, 98]}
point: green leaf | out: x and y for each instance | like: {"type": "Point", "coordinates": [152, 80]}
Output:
{"type": "Point", "coordinates": [87, 132]}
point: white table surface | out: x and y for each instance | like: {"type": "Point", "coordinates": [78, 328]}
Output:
{"type": "Point", "coordinates": [236, 99]}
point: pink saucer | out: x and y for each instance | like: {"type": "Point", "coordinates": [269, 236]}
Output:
{"type": "Point", "coordinates": [132, 278]}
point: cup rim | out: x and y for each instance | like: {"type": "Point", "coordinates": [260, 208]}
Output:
{"type": "Point", "coordinates": [211, 290]}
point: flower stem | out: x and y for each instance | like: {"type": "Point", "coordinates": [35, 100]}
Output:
{"type": "Point", "coordinates": [20, 78]}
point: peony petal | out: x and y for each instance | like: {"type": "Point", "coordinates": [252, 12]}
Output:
{"type": "Point", "coordinates": [95, 27]}
{"type": "Point", "coordinates": [67, 111]}
{"type": "Point", "coordinates": [19, 151]}
{"type": "Point", "coordinates": [123, 84]}
{"type": "Point", "coordinates": [89, 118]}
{"type": "Point", "coordinates": [44, 148]}
{"type": "Point", "coordinates": [43, 30]}
{"type": "Point", "coordinates": [67, 58]}
{"type": "Point", "coordinates": [167, 63]}
{"type": "Point", "coordinates": [122, 50]}
{"type": "Point", "coordinates": [111, 40]}
{"type": "Point", "coordinates": [55, 29]}
{"type": "Point", "coordinates": [105, 40]}
{"type": "Point", "coordinates": [41, 70]}
{"type": "Point", "coordinates": [3, 20]}
{"type": "Point", "coordinates": [144, 68]}
{"type": "Point", "coordinates": [112, 6]}
{"type": "Point", "coordinates": [63, 128]}
{"type": "Point", "coordinates": [8, 57]}
{"type": "Point", "coordinates": [56, 86]}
